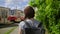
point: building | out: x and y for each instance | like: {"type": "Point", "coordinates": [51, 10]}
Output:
{"type": "Point", "coordinates": [16, 14]}
{"type": "Point", "coordinates": [4, 12]}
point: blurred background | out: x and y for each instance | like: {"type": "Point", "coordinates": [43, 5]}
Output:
{"type": "Point", "coordinates": [46, 11]}
{"type": "Point", "coordinates": [11, 10]}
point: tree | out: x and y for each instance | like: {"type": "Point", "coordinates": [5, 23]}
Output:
{"type": "Point", "coordinates": [48, 12]}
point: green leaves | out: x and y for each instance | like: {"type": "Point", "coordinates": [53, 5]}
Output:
{"type": "Point", "coordinates": [49, 13]}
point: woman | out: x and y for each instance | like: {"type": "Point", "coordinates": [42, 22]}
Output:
{"type": "Point", "coordinates": [29, 17]}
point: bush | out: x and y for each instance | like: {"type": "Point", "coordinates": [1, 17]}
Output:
{"type": "Point", "coordinates": [48, 12]}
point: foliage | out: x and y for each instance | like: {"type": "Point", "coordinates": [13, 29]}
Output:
{"type": "Point", "coordinates": [48, 12]}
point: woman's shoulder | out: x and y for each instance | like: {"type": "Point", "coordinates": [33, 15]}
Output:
{"type": "Point", "coordinates": [36, 20]}
{"type": "Point", "coordinates": [22, 23]}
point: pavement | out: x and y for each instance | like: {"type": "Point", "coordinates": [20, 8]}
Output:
{"type": "Point", "coordinates": [15, 31]}
{"type": "Point", "coordinates": [6, 28]}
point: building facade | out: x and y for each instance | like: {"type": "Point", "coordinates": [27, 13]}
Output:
{"type": "Point", "coordinates": [6, 12]}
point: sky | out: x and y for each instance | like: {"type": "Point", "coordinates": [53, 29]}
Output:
{"type": "Point", "coordinates": [13, 4]}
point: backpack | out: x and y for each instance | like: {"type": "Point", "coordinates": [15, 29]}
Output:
{"type": "Point", "coordinates": [31, 30]}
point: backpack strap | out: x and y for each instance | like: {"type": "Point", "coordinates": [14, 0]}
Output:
{"type": "Point", "coordinates": [42, 29]}
{"type": "Point", "coordinates": [27, 24]}
{"type": "Point", "coordinates": [40, 24]}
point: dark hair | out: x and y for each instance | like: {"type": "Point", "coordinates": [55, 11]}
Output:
{"type": "Point", "coordinates": [29, 12]}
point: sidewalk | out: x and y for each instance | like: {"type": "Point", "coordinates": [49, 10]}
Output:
{"type": "Point", "coordinates": [15, 31]}
{"type": "Point", "coordinates": [4, 30]}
